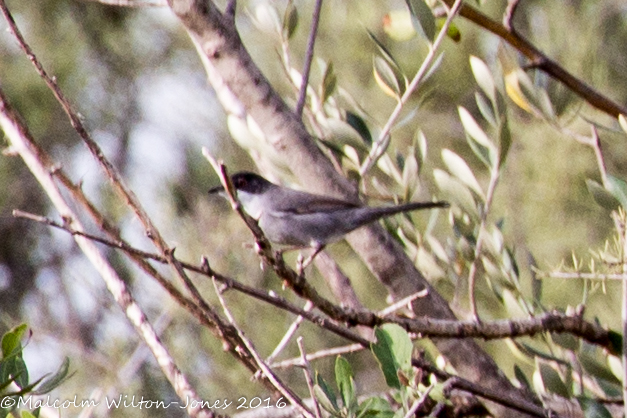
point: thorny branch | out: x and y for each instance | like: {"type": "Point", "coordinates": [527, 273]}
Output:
{"type": "Point", "coordinates": [425, 327]}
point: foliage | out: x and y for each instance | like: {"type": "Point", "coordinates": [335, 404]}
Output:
{"type": "Point", "coordinates": [16, 389]}
{"type": "Point", "coordinates": [534, 175]}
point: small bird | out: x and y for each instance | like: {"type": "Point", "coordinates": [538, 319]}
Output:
{"type": "Point", "coordinates": [301, 220]}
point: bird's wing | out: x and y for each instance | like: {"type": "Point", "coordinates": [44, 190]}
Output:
{"type": "Point", "coordinates": [311, 203]}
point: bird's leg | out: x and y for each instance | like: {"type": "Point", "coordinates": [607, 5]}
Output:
{"type": "Point", "coordinates": [308, 260]}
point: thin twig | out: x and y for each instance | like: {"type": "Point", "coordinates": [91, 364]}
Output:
{"type": "Point", "coordinates": [584, 276]}
{"type": "Point", "coordinates": [403, 302]}
{"type": "Point", "coordinates": [542, 61]}
{"type": "Point", "coordinates": [598, 152]}
{"type": "Point", "coordinates": [328, 352]}
{"type": "Point", "coordinates": [111, 172]}
{"type": "Point", "coordinates": [419, 402]}
{"type": "Point", "coordinates": [472, 271]}
{"type": "Point", "coordinates": [380, 146]}
{"type": "Point", "coordinates": [289, 334]}
{"type": "Point", "coordinates": [308, 378]}
{"type": "Point", "coordinates": [311, 42]}
{"type": "Point", "coordinates": [21, 141]}
{"type": "Point", "coordinates": [510, 11]}
{"type": "Point", "coordinates": [268, 373]}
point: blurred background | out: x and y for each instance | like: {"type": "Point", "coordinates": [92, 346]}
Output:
{"type": "Point", "coordinates": [137, 81]}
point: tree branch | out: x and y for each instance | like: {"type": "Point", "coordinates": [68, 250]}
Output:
{"type": "Point", "coordinates": [542, 61]}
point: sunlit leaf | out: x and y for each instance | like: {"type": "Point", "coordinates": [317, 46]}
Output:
{"type": "Point", "coordinates": [622, 122]}
{"type": "Point", "coordinates": [455, 191]}
{"type": "Point", "coordinates": [460, 169]}
{"type": "Point", "coordinates": [515, 92]}
{"type": "Point", "coordinates": [479, 142]}
{"type": "Point", "coordinates": [410, 175]}
{"type": "Point", "coordinates": [597, 369]}
{"type": "Point", "coordinates": [484, 78]}
{"type": "Point", "coordinates": [387, 79]}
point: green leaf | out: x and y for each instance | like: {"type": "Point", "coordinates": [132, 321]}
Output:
{"type": "Point", "coordinates": [520, 376]}
{"type": "Point", "coordinates": [485, 107]}
{"type": "Point", "coordinates": [375, 407]}
{"type": "Point", "coordinates": [552, 381]}
{"type": "Point", "coordinates": [601, 195]}
{"type": "Point", "coordinates": [360, 126]}
{"type": "Point", "coordinates": [382, 49]}
{"type": "Point", "coordinates": [505, 141]}
{"type": "Point", "coordinates": [421, 143]}
{"type": "Point", "coordinates": [410, 175]}
{"type": "Point", "coordinates": [345, 382]}
{"type": "Point", "coordinates": [456, 192]}
{"type": "Point", "coordinates": [393, 352]}
{"type": "Point", "coordinates": [329, 82]}
{"type": "Point", "coordinates": [458, 167]}
{"type": "Point", "coordinates": [422, 19]}
{"type": "Point", "coordinates": [11, 341]}
{"type": "Point", "coordinates": [597, 369]}
{"type": "Point", "coordinates": [618, 188]}
{"type": "Point", "coordinates": [593, 409]}
{"type": "Point", "coordinates": [388, 78]}
{"type": "Point", "coordinates": [290, 20]}
{"type": "Point", "coordinates": [12, 366]}
{"type": "Point", "coordinates": [52, 382]}
{"type": "Point", "coordinates": [479, 142]}
{"type": "Point", "coordinates": [325, 395]}
{"type": "Point", "coordinates": [567, 341]}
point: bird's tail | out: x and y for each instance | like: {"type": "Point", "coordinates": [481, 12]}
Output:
{"type": "Point", "coordinates": [371, 215]}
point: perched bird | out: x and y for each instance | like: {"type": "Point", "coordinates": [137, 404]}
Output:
{"type": "Point", "coordinates": [300, 220]}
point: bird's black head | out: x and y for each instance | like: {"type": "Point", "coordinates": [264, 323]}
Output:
{"type": "Point", "coordinates": [248, 182]}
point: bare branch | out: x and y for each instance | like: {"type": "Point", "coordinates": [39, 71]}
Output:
{"type": "Point", "coordinates": [543, 62]}
{"type": "Point", "coordinates": [22, 143]}
{"type": "Point", "coordinates": [307, 370]}
{"type": "Point", "coordinates": [267, 372]}
{"type": "Point", "coordinates": [289, 334]}
{"type": "Point", "coordinates": [302, 95]}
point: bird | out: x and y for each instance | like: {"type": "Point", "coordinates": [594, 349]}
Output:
{"type": "Point", "coordinates": [302, 220]}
